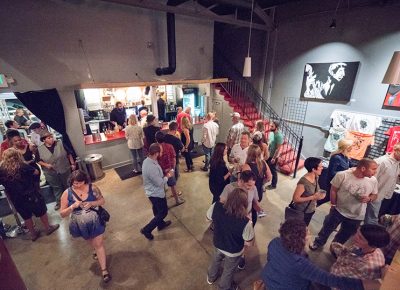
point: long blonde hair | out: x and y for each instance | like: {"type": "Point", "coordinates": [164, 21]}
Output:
{"type": "Point", "coordinates": [254, 156]}
{"type": "Point", "coordinates": [11, 163]}
{"type": "Point", "coordinates": [132, 120]}
{"type": "Point", "coordinates": [343, 144]}
{"type": "Point", "coordinates": [185, 123]}
{"type": "Point", "coordinates": [236, 203]}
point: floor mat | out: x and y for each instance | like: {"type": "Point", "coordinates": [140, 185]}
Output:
{"type": "Point", "coordinates": [125, 172]}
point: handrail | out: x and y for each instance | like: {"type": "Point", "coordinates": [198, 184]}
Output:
{"type": "Point", "coordinates": [243, 92]}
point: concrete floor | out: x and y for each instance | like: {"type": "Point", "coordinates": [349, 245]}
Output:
{"type": "Point", "coordinates": [177, 258]}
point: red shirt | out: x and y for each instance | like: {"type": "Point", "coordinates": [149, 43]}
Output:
{"type": "Point", "coordinates": [179, 120]}
{"type": "Point", "coordinates": [167, 158]}
{"type": "Point", "coordinates": [394, 138]}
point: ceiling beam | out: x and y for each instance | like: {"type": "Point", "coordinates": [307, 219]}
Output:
{"type": "Point", "coordinates": [257, 10]}
{"type": "Point", "coordinates": [153, 5]}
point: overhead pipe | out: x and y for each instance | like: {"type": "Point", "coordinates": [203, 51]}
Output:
{"type": "Point", "coordinates": [171, 48]}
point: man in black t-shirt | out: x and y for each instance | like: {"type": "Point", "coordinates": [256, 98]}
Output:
{"type": "Point", "coordinates": [118, 115]}
{"type": "Point", "coordinates": [171, 138]}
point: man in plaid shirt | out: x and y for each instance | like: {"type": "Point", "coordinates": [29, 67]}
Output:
{"type": "Point", "coordinates": [364, 259]}
{"type": "Point", "coordinates": [394, 231]}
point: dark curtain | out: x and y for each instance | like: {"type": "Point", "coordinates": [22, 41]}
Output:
{"type": "Point", "coordinates": [47, 106]}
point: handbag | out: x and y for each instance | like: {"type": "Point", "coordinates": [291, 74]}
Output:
{"type": "Point", "coordinates": [103, 214]}
{"type": "Point", "coordinates": [292, 213]}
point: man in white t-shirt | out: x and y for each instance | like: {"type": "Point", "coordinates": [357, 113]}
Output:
{"type": "Point", "coordinates": [247, 182]}
{"type": "Point", "coordinates": [351, 190]}
{"type": "Point", "coordinates": [209, 136]}
{"type": "Point", "coordinates": [239, 151]}
{"type": "Point", "coordinates": [387, 174]}
{"type": "Point", "coordinates": [234, 132]}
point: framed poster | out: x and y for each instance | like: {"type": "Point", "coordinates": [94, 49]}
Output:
{"type": "Point", "coordinates": [329, 82]}
{"type": "Point", "coordinates": [392, 98]}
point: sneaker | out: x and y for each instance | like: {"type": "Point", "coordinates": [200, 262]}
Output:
{"type": "Point", "coordinates": [180, 201]}
{"type": "Point", "coordinates": [204, 169]}
{"type": "Point", "coordinates": [166, 224]}
{"type": "Point", "coordinates": [148, 236]}
{"type": "Point", "coordinates": [261, 214]}
{"type": "Point", "coordinates": [314, 246]}
{"type": "Point", "coordinates": [57, 206]}
{"type": "Point", "coordinates": [271, 187]}
{"type": "Point", "coordinates": [209, 281]}
{"type": "Point", "coordinates": [52, 229]}
{"type": "Point", "coordinates": [242, 263]}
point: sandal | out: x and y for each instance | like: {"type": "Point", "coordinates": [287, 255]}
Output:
{"type": "Point", "coordinates": [106, 276]}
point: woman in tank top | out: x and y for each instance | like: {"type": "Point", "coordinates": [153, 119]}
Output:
{"type": "Point", "coordinates": [307, 191]}
{"type": "Point", "coordinates": [188, 143]}
{"type": "Point", "coordinates": [259, 167]}
{"type": "Point", "coordinates": [85, 222]}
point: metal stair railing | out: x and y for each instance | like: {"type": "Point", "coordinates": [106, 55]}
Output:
{"type": "Point", "coordinates": [246, 98]}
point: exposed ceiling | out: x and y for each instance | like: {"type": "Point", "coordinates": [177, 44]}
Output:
{"type": "Point", "coordinates": [238, 12]}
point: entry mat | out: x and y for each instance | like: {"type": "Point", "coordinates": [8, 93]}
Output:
{"type": "Point", "coordinates": [126, 171]}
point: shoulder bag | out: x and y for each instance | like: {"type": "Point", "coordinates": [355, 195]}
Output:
{"type": "Point", "coordinates": [292, 213]}
{"type": "Point", "coordinates": [104, 216]}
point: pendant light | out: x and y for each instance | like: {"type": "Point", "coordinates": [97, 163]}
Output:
{"type": "Point", "coordinates": [247, 60]}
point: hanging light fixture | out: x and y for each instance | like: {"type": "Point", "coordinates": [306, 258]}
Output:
{"type": "Point", "coordinates": [392, 75]}
{"type": "Point", "coordinates": [333, 23]}
{"type": "Point", "coordinates": [247, 60]}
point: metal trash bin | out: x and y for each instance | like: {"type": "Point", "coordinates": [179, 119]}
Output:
{"type": "Point", "coordinates": [94, 166]}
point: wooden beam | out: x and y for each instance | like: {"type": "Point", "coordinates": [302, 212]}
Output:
{"type": "Point", "coordinates": [152, 83]}
{"type": "Point", "coordinates": [151, 4]}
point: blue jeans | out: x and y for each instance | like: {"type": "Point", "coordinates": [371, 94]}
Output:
{"type": "Point", "coordinates": [207, 154]}
{"type": "Point", "coordinates": [348, 227]}
{"type": "Point", "coordinates": [137, 156]}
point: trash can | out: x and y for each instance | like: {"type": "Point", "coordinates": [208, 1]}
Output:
{"type": "Point", "coordinates": [94, 166]}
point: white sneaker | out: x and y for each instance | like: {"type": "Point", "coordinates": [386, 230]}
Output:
{"type": "Point", "coordinates": [261, 214]}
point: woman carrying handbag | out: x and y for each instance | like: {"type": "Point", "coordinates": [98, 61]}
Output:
{"type": "Point", "coordinates": [307, 192]}
{"type": "Point", "coordinates": [79, 202]}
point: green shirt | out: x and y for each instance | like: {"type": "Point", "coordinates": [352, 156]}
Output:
{"type": "Point", "coordinates": [274, 139]}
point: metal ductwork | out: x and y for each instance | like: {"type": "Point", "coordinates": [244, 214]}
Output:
{"type": "Point", "coordinates": [171, 48]}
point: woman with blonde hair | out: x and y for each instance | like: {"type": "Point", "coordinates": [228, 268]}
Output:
{"type": "Point", "coordinates": [134, 135]}
{"type": "Point", "coordinates": [259, 167]}
{"type": "Point", "coordinates": [232, 229]}
{"type": "Point", "coordinates": [19, 179]}
{"type": "Point", "coordinates": [339, 162]}
{"type": "Point", "coordinates": [188, 143]}
{"type": "Point", "coordinates": [260, 127]}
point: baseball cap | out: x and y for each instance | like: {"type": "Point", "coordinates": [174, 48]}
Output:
{"type": "Point", "coordinates": [235, 114]}
{"type": "Point", "coordinates": [257, 136]}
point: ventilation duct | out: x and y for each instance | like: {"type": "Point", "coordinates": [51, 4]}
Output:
{"type": "Point", "coordinates": [171, 48]}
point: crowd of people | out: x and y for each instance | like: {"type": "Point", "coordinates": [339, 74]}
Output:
{"type": "Point", "coordinates": [240, 171]}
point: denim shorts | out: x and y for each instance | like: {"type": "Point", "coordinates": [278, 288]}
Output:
{"type": "Point", "coordinates": [171, 181]}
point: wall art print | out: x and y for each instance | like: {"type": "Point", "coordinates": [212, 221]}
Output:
{"type": "Point", "coordinates": [329, 82]}
{"type": "Point", "coordinates": [392, 98]}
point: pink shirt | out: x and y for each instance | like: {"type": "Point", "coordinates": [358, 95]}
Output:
{"type": "Point", "coordinates": [179, 120]}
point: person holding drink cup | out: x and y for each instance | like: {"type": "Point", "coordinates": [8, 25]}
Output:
{"type": "Point", "coordinates": [307, 191]}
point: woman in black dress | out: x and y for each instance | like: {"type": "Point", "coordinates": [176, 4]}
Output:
{"type": "Point", "coordinates": [219, 173]}
{"type": "Point", "coordinates": [188, 143]}
{"type": "Point", "coordinates": [18, 179]}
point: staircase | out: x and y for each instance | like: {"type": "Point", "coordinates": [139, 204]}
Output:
{"type": "Point", "coordinates": [244, 99]}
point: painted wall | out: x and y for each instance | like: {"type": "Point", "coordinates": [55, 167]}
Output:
{"type": "Point", "coordinates": [369, 35]}
{"type": "Point", "coordinates": [39, 47]}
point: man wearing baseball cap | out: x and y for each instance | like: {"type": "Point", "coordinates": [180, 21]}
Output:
{"type": "Point", "coordinates": [234, 132]}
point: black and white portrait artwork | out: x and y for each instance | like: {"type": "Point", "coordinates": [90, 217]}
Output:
{"type": "Point", "coordinates": [330, 82]}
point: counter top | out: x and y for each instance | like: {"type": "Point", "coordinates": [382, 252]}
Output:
{"type": "Point", "coordinates": [116, 136]}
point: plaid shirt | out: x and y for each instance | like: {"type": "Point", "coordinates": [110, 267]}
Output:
{"type": "Point", "coordinates": [234, 134]}
{"type": "Point", "coordinates": [352, 265]}
{"type": "Point", "coordinates": [394, 245]}
{"type": "Point", "coordinates": [167, 158]}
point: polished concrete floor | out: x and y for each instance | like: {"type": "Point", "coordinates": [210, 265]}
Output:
{"type": "Point", "coordinates": [177, 258]}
